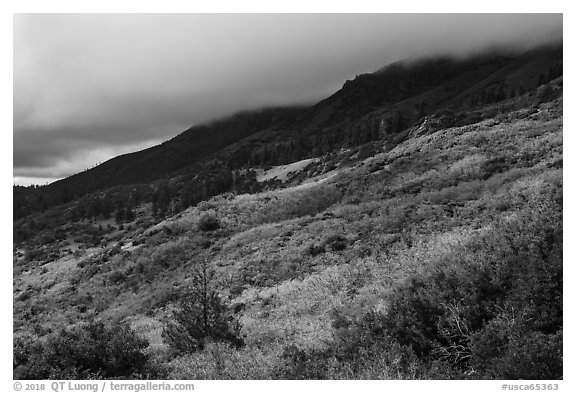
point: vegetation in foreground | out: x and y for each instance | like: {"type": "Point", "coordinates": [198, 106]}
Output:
{"type": "Point", "coordinates": [436, 254]}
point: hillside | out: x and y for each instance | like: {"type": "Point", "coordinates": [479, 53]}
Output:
{"type": "Point", "coordinates": [368, 108]}
{"type": "Point", "coordinates": [193, 145]}
{"type": "Point", "coordinates": [426, 248]}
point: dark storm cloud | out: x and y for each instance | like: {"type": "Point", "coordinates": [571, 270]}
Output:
{"type": "Point", "coordinates": [87, 87]}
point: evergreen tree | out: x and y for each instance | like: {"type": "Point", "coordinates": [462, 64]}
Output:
{"type": "Point", "coordinates": [541, 79]}
{"type": "Point", "coordinates": [129, 215]}
{"type": "Point", "coordinates": [119, 216]}
{"type": "Point", "coordinates": [202, 316]}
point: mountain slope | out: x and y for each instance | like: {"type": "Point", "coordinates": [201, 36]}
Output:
{"type": "Point", "coordinates": [366, 109]}
{"type": "Point", "coordinates": [193, 145]}
{"type": "Point", "coordinates": [411, 262]}
{"type": "Point", "coordinates": [407, 227]}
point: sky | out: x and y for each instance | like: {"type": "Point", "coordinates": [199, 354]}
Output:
{"type": "Point", "coordinates": [88, 87]}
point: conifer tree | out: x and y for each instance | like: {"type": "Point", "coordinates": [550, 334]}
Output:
{"type": "Point", "coordinates": [202, 316]}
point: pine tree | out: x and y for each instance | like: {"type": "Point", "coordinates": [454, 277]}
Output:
{"type": "Point", "coordinates": [541, 79]}
{"type": "Point", "coordinates": [202, 316]}
{"type": "Point", "coordinates": [119, 216]}
{"type": "Point", "coordinates": [129, 215]}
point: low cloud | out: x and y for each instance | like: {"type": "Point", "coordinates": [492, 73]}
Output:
{"type": "Point", "coordinates": [88, 87]}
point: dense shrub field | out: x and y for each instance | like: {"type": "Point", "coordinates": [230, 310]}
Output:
{"type": "Point", "coordinates": [88, 351]}
{"type": "Point", "coordinates": [439, 257]}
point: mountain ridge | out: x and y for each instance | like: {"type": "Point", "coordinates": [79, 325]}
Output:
{"type": "Point", "coordinates": [420, 239]}
{"type": "Point", "coordinates": [369, 107]}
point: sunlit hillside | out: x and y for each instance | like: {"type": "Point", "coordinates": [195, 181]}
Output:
{"type": "Point", "coordinates": [439, 257]}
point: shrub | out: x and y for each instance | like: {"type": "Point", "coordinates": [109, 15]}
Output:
{"type": "Point", "coordinates": [507, 349]}
{"type": "Point", "coordinates": [359, 350]}
{"type": "Point", "coordinates": [208, 222]}
{"type": "Point", "coordinates": [495, 304]}
{"type": "Point", "coordinates": [306, 202]}
{"type": "Point", "coordinates": [117, 276]}
{"type": "Point", "coordinates": [91, 350]}
{"type": "Point", "coordinates": [315, 249]}
{"type": "Point", "coordinates": [35, 254]}
{"type": "Point", "coordinates": [222, 361]}
{"type": "Point", "coordinates": [336, 242]}
{"type": "Point", "coordinates": [299, 364]}
{"type": "Point", "coordinates": [491, 308]}
{"type": "Point", "coordinates": [545, 93]}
